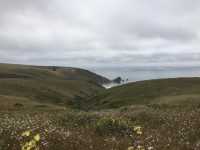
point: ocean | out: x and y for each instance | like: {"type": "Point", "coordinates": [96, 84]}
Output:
{"type": "Point", "coordinates": [146, 73]}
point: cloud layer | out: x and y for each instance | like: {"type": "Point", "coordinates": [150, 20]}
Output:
{"type": "Point", "coordinates": [100, 33]}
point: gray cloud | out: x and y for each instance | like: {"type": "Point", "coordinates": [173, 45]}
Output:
{"type": "Point", "coordinates": [99, 32]}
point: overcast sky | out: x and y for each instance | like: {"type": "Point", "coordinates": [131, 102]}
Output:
{"type": "Point", "coordinates": [100, 33]}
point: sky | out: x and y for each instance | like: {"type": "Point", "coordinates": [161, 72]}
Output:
{"type": "Point", "coordinates": [100, 33]}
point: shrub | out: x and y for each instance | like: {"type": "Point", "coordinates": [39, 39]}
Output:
{"type": "Point", "coordinates": [109, 125]}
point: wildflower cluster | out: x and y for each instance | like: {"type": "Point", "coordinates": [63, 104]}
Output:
{"type": "Point", "coordinates": [131, 130]}
{"type": "Point", "coordinates": [32, 143]}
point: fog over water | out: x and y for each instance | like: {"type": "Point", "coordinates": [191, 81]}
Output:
{"type": "Point", "coordinates": [145, 73]}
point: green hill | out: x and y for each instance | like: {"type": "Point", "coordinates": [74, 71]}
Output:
{"type": "Point", "coordinates": [173, 91]}
{"type": "Point", "coordinates": [63, 86]}
{"type": "Point", "coordinates": [34, 102]}
{"type": "Point", "coordinates": [48, 86]}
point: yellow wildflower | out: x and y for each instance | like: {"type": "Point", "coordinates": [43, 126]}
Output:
{"type": "Point", "coordinates": [130, 148]}
{"type": "Point", "coordinates": [26, 133]}
{"type": "Point", "coordinates": [37, 137]}
{"type": "Point", "coordinates": [138, 130]}
{"type": "Point", "coordinates": [139, 147]}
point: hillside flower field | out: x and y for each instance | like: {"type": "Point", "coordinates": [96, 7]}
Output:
{"type": "Point", "coordinates": [128, 128]}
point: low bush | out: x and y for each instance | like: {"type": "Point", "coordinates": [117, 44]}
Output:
{"type": "Point", "coordinates": [109, 126]}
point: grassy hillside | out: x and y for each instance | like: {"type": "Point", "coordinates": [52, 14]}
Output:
{"type": "Point", "coordinates": [174, 91]}
{"type": "Point", "coordinates": [36, 102]}
{"type": "Point", "coordinates": [49, 72]}
{"type": "Point", "coordinates": [47, 85]}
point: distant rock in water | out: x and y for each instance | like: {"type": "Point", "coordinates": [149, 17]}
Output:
{"type": "Point", "coordinates": [117, 80]}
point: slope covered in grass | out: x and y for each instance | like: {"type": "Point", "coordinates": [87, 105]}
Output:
{"type": "Point", "coordinates": [174, 91]}
{"type": "Point", "coordinates": [34, 112]}
{"type": "Point", "coordinates": [54, 85]}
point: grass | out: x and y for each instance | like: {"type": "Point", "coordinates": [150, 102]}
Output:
{"type": "Point", "coordinates": [11, 103]}
{"type": "Point", "coordinates": [48, 85]}
{"type": "Point", "coordinates": [175, 91]}
{"type": "Point", "coordinates": [134, 127]}
{"type": "Point", "coordinates": [37, 111]}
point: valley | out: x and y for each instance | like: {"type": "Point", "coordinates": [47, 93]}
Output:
{"type": "Point", "coordinates": [48, 108]}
